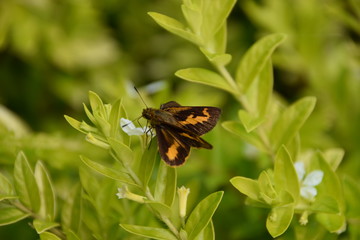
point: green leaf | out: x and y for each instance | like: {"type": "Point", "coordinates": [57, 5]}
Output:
{"type": "Point", "coordinates": [279, 220]}
{"type": "Point", "coordinates": [6, 189]}
{"type": "Point", "coordinates": [247, 186]}
{"type": "Point", "coordinates": [9, 215]}
{"type": "Point", "coordinates": [214, 14]}
{"type": "Point", "coordinates": [258, 98]}
{"type": "Point", "coordinates": [25, 183]}
{"type": "Point", "coordinates": [285, 176]}
{"type": "Point", "coordinates": [150, 232]}
{"type": "Point", "coordinates": [267, 191]}
{"type": "Point", "coordinates": [74, 123]}
{"type": "Point", "coordinates": [103, 125]}
{"type": "Point", "coordinates": [207, 233]}
{"type": "Point", "coordinates": [352, 196]}
{"type": "Point", "coordinates": [325, 204]}
{"type": "Point", "coordinates": [160, 207]}
{"type": "Point", "coordinates": [114, 119]}
{"type": "Point", "coordinates": [330, 187]}
{"type": "Point", "coordinates": [334, 223]}
{"type": "Point", "coordinates": [108, 172]}
{"type": "Point", "coordinates": [165, 187]}
{"type": "Point", "coordinates": [46, 190]}
{"type": "Point", "coordinates": [202, 214]}
{"type": "Point", "coordinates": [70, 235]}
{"type": "Point", "coordinates": [42, 226]}
{"type": "Point", "coordinates": [334, 157]}
{"type": "Point", "coordinates": [49, 236]}
{"type": "Point", "coordinates": [71, 212]}
{"type": "Point", "coordinates": [218, 59]}
{"type": "Point", "coordinates": [173, 26]}
{"type": "Point", "coordinates": [251, 138]}
{"type": "Point", "coordinates": [290, 121]}
{"type": "Point", "coordinates": [147, 164]}
{"type": "Point", "coordinates": [89, 114]}
{"type": "Point", "coordinates": [122, 152]}
{"type": "Point", "coordinates": [204, 76]}
{"type": "Point", "coordinates": [249, 120]}
{"type": "Point", "coordinates": [97, 105]}
{"type": "Point", "coordinates": [255, 59]}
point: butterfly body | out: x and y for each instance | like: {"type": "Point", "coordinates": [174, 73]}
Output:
{"type": "Point", "coordinates": [178, 128]}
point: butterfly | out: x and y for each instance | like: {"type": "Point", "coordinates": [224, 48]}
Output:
{"type": "Point", "coordinates": [178, 128]}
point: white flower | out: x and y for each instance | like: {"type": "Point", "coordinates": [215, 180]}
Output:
{"type": "Point", "coordinates": [307, 184]}
{"type": "Point", "coordinates": [130, 129]}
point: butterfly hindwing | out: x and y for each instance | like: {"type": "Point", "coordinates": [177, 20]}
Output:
{"type": "Point", "coordinates": [174, 145]}
{"type": "Point", "coordinates": [198, 120]}
{"type": "Point", "coordinates": [172, 151]}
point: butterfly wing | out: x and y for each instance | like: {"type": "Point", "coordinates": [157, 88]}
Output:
{"type": "Point", "coordinates": [174, 145]}
{"type": "Point", "coordinates": [198, 120]}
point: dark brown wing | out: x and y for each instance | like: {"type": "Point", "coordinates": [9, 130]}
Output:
{"type": "Point", "coordinates": [174, 144]}
{"type": "Point", "coordinates": [169, 104]}
{"type": "Point", "coordinates": [198, 120]}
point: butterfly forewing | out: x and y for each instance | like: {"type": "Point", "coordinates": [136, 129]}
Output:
{"type": "Point", "coordinates": [198, 120]}
{"type": "Point", "coordinates": [178, 128]}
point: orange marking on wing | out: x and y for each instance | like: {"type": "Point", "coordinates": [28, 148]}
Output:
{"type": "Point", "coordinates": [199, 119]}
{"type": "Point", "coordinates": [172, 151]}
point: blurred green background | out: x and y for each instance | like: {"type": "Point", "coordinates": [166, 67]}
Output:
{"type": "Point", "coordinates": [53, 52]}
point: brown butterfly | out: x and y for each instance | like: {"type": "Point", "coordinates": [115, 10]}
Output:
{"type": "Point", "coordinates": [178, 128]}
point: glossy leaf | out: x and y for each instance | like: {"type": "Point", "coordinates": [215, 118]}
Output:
{"type": "Point", "coordinates": [285, 176]}
{"type": "Point", "coordinates": [25, 183]}
{"type": "Point", "coordinates": [247, 186]}
{"type": "Point", "coordinates": [279, 220]}
{"type": "Point", "coordinates": [114, 119]}
{"type": "Point", "coordinates": [258, 98]}
{"type": "Point", "coordinates": [352, 196]}
{"type": "Point", "coordinates": [165, 187]}
{"type": "Point", "coordinates": [89, 114]}
{"type": "Point", "coordinates": [218, 59]}
{"type": "Point", "coordinates": [204, 76]}
{"type": "Point", "coordinates": [74, 123]}
{"type": "Point", "coordinates": [70, 235]}
{"type": "Point", "coordinates": [202, 214]}
{"type": "Point", "coordinates": [97, 105]}
{"type": "Point", "coordinates": [207, 233]}
{"type": "Point", "coordinates": [6, 189]}
{"type": "Point", "coordinates": [122, 152]}
{"type": "Point", "coordinates": [331, 187]}
{"type": "Point", "coordinates": [334, 223]}
{"type": "Point", "coordinates": [71, 212]}
{"type": "Point", "coordinates": [150, 232]}
{"type": "Point", "coordinates": [334, 157]}
{"type": "Point", "coordinates": [267, 191]}
{"type": "Point", "coordinates": [214, 15]}
{"type": "Point", "coordinates": [147, 163]}
{"type": "Point", "coordinates": [238, 129]}
{"type": "Point", "coordinates": [49, 236]}
{"type": "Point", "coordinates": [46, 190]}
{"type": "Point", "coordinates": [255, 59]}
{"type": "Point", "coordinates": [290, 121]}
{"type": "Point", "coordinates": [42, 226]}
{"type": "Point", "coordinates": [108, 172]}
{"type": "Point", "coordinates": [9, 215]}
{"type": "Point", "coordinates": [173, 26]}
{"type": "Point", "coordinates": [159, 207]}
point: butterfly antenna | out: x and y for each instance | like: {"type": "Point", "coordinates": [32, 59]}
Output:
{"type": "Point", "coordinates": [136, 119]}
{"type": "Point", "coordinates": [140, 96]}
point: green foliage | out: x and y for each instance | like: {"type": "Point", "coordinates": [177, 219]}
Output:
{"type": "Point", "coordinates": [284, 155]}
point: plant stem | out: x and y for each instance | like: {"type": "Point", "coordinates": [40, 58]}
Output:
{"type": "Point", "coordinates": [148, 194]}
